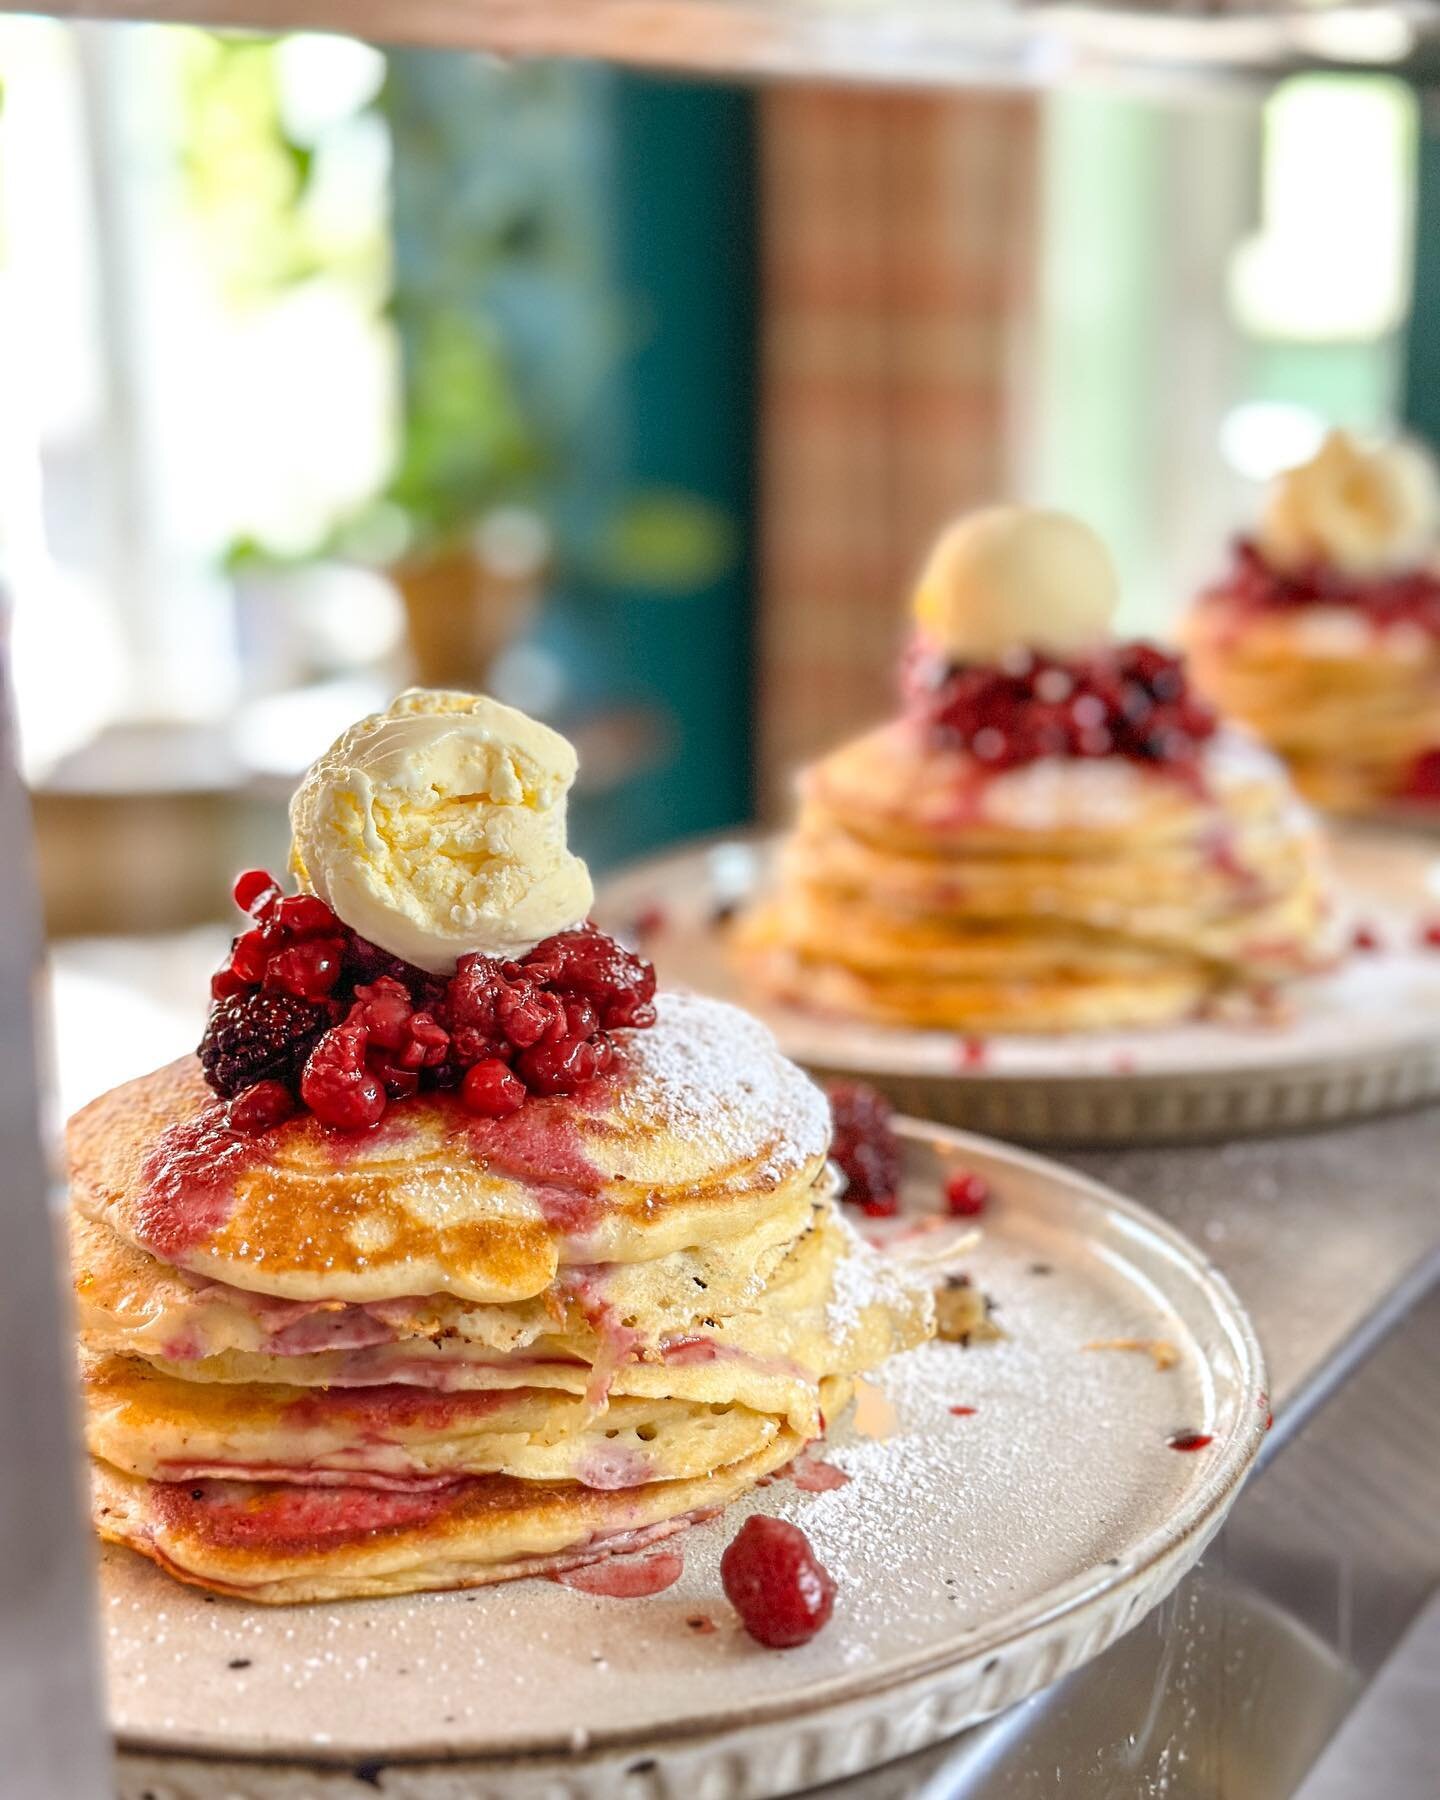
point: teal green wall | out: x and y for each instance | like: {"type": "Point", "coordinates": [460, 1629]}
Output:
{"type": "Point", "coordinates": [595, 232]}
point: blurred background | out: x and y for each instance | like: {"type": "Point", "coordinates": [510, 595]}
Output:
{"type": "Point", "coordinates": [633, 401]}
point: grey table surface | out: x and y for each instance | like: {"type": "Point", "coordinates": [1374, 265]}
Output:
{"type": "Point", "coordinates": [1315, 1231]}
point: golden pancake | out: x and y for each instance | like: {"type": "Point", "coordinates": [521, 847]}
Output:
{"type": "Point", "coordinates": [919, 890]}
{"type": "Point", "coordinates": [1351, 705]}
{"type": "Point", "coordinates": [147, 1423]}
{"type": "Point", "coordinates": [280, 1542]}
{"type": "Point", "coordinates": [833, 1308]}
{"type": "Point", "coordinates": [692, 1140]}
{"type": "Point", "coordinates": [126, 1302]}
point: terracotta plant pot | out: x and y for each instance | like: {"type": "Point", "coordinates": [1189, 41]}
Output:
{"type": "Point", "coordinates": [462, 606]}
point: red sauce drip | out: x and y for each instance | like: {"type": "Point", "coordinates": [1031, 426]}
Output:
{"type": "Point", "coordinates": [972, 1053]}
{"type": "Point", "coordinates": [542, 1145]}
{"type": "Point", "coordinates": [813, 1476]}
{"type": "Point", "coordinates": [964, 1412]}
{"type": "Point", "coordinates": [395, 1406]}
{"type": "Point", "coordinates": [1253, 586]}
{"type": "Point", "coordinates": [690, 1349]}
{"type": "Point", "coordinates": [187, 1181]}
{"type": "Point", "coordinates": [239, 1515]}
{"type": "Point", "coordinates": [626, 1578]}
{"type": "Point", "coordinates": [1189, 1440]}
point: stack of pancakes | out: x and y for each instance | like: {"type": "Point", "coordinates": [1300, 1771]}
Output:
{"type": "Point", "coordinates": [456, 1350]}
{"type": "Point", "coordinates": [922, 889]}
{"type": "Point", "coordinates": [1352, 705]}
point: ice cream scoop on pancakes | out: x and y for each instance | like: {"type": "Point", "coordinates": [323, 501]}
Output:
{"type": "Point", "coordinates": [456, 1255]}
{"type": "Point", "coordinates": [1055, 834]}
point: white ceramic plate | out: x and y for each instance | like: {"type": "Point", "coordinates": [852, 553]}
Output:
{"type": "Point", "coordinates": [1363, 1040]}
{"type": "Point", "coordinates": [978, 1558]}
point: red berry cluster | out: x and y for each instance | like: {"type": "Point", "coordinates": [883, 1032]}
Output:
{"type": "Point", "coordinates": [1254, 585]}
{"type": "Point", "coordinates": [1130, 700]}
{"type": "Point", "coordinates": [865, 1148]}
{"type": "Point", "coordinates": [305, 1009]}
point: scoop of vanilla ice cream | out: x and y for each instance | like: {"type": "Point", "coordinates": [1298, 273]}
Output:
{"type": "Point", "coordinates": [438, 828]}
{"type": "Point", "coordinates": [1016, 577]}
{"type": "Point", "coordinates": [1363, 509]}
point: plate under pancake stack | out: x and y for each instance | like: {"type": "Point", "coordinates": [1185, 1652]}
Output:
{"type": "Point", "coordinates": [1362, 1041]}
{"type": "Point", "coordinates": [979, 1555]}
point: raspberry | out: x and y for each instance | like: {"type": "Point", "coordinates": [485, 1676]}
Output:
{"type": "Point", "coordinates": [474, 997]}
{"type": "Point", "coordinates": [774, 1580]}
{"type": "Point", "coordinates": [303, 916]}
{"type": "Point", "coordinates": [260, 1037]}
{"type": "Point", "coordinates": [616, 982]}
{"type": "Point", "coordinates": [492, 1090]}
{"type": "Point", "coordinates": [427, 1043]}
{"type": "Point", "coordinates": [525, 1014]}
{"type": "Point", "coordinates": [384, 1008]}
{"type": "Point", "coordinates": [338, 1086]}
{"type": "Point", "coordinates": [249, 956]}
{"type": "Point", "coordinates": [225, 982]}
{"type": "Point", "coordinates": [865, 1147]}
{"type": "Point", "coordinates": [261, 1107]}
{"type": "Point", "coordinates": [566, 1065]}
{"type": "Point", "coordinates": [253, 887]}
{"type": "Point", "coordinates": [311, 967]}
{"type": "Point", "coordinates": [966, 1195]}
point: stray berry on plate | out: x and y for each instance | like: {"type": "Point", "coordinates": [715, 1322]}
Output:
{"type": "Point", "coordinates": [966, 1194]}
{"type": "Point", "coordinates": [774, 1580]}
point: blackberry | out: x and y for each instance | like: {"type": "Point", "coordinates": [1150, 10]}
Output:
{"type": "Point", "coordinates": [261, 1037]}
{"type": "Point", "coordinates": [865, 1148]}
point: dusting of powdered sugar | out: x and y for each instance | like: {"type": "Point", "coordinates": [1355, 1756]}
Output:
{"type": "Point", "coordinates": [717, 1079]}
{"type": "Point", "coordinates": [863, 1279]}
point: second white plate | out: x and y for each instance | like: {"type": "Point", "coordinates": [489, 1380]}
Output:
{"type": "Point", "coordinates": [1365, 1039]}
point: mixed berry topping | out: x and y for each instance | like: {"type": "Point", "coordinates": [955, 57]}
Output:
{"type": "Point", "coordinates": [1254, 585]}
{"type": "Point", "coordinates": [865, 1148]}
{"type": "Point", "coordinates": [773, 1579]}
{"type": "Point", "coordinates": [304, 1011]}
{"type": "Point", "coordinates": [1130, 700]}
